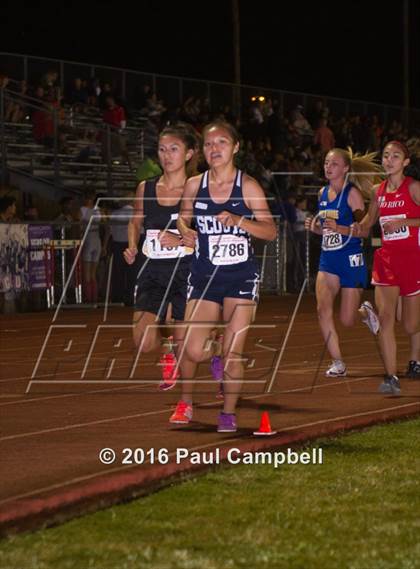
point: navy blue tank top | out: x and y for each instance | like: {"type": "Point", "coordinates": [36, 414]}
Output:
{"type": "Point", "coordinates": [229, 249]}
{"type": "Point", "coordinates": [341, 212]}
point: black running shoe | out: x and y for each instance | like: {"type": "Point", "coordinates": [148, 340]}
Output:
{"type": "Point", "coordinates": [390, 384]}
{"type": "Point", "coordinates": [413, 370]}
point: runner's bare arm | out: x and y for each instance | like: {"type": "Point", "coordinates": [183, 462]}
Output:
{"type": "Point", "coordinates": [135, 225]}
{"type": "Point", "coordinates": [186, 212]}
{"type": "Point", "coordinates": [396, 223]}
{"type": "Point", "coordinates": [362, 228]}
{"type": "Point", "coordinates": [263, 227]}
{"type": "Point", "coordinates": [357, 205]}
{"type": "Point", "coordinates": [310, 225]}
{"type": "Point", "coordinates": [415, 196]}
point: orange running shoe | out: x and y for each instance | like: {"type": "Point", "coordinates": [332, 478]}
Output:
{"type": "Point", "coordinates": [183, 413]}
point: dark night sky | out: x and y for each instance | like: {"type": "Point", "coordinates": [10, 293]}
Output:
{"type": "Point", "coordinates": [352, 49]}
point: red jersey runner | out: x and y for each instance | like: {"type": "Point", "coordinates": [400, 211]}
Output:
{"type": "Point", "coordinates": [397, 262]}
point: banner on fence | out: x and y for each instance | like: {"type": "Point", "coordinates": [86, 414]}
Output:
{"type": "Point", "coordinates": [39, 236]}
{"type": "Point", "coordinates": [13, 257]}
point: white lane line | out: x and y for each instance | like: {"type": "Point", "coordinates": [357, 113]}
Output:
{"type": "Point", "coordinates": [308, 346]}
{"type": "Point", "coordinates": [149, 413]}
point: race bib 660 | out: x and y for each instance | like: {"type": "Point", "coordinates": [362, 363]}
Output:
{"type": "Point", "coordinates": [400, 233]}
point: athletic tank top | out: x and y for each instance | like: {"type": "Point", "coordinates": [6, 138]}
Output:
{"type": "Point", "coordinates": [341, 212]}
{"type": "Point", "coordinates": [398, 204]}
{"type": "Point", "coordinates": [156, 219]}
{"type": "Point", "coordinates": [227, 248]}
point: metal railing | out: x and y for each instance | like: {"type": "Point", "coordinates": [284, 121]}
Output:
{"type": "Point", "coordinates": [174, 90]}
{"type": "Point", "coordinates": [112, 144]}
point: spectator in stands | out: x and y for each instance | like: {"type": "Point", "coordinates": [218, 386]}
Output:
{"type": "Point", "coordinates": [114, 116]}
{"type": "Point", "coordinates": [396, 131]}
{"type": "Point", "coordinates": [324, 136]}
{"type": "Point", "coordinates": [68, 218]}
{"type": "Point", "coordinates": [316, 113]}
{"type": "Point", "coordinates": [105, 92]}
{"type": "Point", "coordinates": [358, 134]}
{"type": "Point", "coordinates": [190, 110]}
{"type": "Point", "coordinates": [8, 209]}
{"type": "Point", "coordinates": [151, 134]}
{"type": "Point", "coordinates": [31, 213]}
{"type": "Point", "coordinates": [301, 126]}
{"type": "Point", "coordinates": [43, 119]}
{"type": "Point", "coordinates": [142, 97]}
{"type": "Point", "coordinates": [94, 90]}
{"type": "Point", "coordinates": [92, 248]}
{"type": "Point", "coordinates": [280, 166]}
{"type": "Point", "coordinates": [342, 132]}
{"type": "Point", "coordinates": [277, 130]}
{"type": "Point", "coordinates": [16, 109]}
{"type": "Point", "coordinates": [4, 81]}
{"type": "Point", "coordinates": [256, 121]}
{"type": "Point", "coordinates": [307, 155]}
{"type": "Point", "coordinates": [78, 93]}
{"type": "Point", "coordinates": [154, 106]}
{"type": "Point", "coordinates": [49, 83]}
{"type": "Point", "coordinates": [285, 209]}
{"type": "Point", "coordinates": [377, 133]}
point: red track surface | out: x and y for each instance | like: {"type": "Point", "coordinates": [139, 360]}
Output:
{"type": "Point", "coordinates": [53, 426]}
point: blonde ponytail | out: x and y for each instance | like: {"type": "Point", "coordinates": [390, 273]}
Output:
{"type": "Point", "coordinates": [364, 172]}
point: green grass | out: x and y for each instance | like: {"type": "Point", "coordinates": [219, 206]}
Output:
{"type": "Point", "coordinates": [359, 510]}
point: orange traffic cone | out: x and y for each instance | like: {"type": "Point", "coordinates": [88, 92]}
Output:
{"type": "Point", "coordinates": [265, 427]}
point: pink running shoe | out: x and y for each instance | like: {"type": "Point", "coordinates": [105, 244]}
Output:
{"type": "Point", "coordinates": [170, 372]}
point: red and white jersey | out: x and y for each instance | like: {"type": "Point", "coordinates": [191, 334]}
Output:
{"type": "Point", "coordinates": [398, 204]}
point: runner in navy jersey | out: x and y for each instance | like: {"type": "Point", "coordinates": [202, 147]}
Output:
{"type": "Point", "coordinates": [227, 208]}
{"type": "Point", "coordinates": [162, 281]}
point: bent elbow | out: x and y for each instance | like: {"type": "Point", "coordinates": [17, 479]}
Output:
{"type": "Point", "coordinates": [273, 234]}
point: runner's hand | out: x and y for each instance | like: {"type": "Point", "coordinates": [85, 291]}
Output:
{"type": "Point", "coordinates": [228, 219]}
{"type": "Point", "coordinates": [130, 255]}
{"type": "Point", "coordinates": [169, 239]}
{"type": "Point", "coordinates": [189, 237]}
{"type": "Point", "coordinates": [393, 225]}
{"type": "Point", "coordinates": [330, 224]}
{"type": "Point", "coordinates": [356, 229]}
{"type": "Point", "coordinates": [308, 223]}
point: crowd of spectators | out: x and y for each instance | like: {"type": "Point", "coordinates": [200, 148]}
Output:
{"type": "Point", "coordinates": [280, 139]}
{"type": "Point", "coordinates": [290, 142]}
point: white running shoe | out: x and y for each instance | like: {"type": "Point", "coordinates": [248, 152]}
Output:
{"type": "Point", "coordinates": [336, 369]}
{"type": "Point", "coordinates": [370, 317]}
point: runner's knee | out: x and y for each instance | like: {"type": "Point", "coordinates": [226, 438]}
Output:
{"type": "Point", "coordinates": [196, 352]}
{"type": "Point", "coordinates": [347, 320]}
{"type": "Point", "coordinates": [411, 328]}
